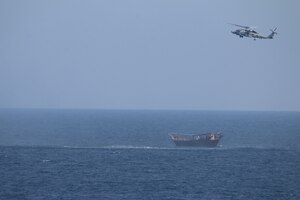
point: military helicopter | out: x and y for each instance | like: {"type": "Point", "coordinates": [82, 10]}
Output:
{"type": "Point", "coordinates": [247, 31]}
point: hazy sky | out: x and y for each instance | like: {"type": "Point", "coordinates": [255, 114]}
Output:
{"type": "Point", "coordinates": [148, 54]}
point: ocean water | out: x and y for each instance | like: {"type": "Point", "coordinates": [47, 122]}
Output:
{"type": "Point", "coordinates": [119, 154]}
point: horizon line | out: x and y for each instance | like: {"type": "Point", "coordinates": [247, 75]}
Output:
{"type": "Point", "coordinates": [145, 109]}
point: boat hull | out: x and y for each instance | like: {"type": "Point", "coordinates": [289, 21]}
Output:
{"type": "Point", "coordinates": [197, 143]}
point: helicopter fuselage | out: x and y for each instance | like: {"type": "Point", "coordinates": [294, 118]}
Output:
{"type": "Point", "coordinates": [245, 33]}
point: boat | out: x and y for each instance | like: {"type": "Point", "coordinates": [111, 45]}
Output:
{"type": "Point", "coordinates": [197, 140]}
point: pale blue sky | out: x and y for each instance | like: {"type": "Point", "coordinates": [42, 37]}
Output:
{"type": "Point", "coordinates": [158, 54]}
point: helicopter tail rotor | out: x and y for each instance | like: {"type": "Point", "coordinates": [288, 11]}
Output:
{"type": "Point", "coordinates": [273, 33]}
{"type": "Point", "coordinates": [274, 30]}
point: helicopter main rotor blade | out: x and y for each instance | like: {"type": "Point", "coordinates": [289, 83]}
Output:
{"type": "Point", "coordinates": [245, 27]}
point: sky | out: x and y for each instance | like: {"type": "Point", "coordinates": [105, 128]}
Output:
{"type": "Point", "coordinates": [158, 54]}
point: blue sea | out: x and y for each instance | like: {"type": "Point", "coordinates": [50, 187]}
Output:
{"type": "Point", "coordinates": [127, 154]}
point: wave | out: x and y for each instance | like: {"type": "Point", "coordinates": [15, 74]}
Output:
{"type": "Point", "coordinates": [157, 147]}
{"type": "Point", "coordinates": [219, 147]}
{"type": "Point", "coordinates": [120, 147]}
{"type": "Point", "coordinates": [173, 148]}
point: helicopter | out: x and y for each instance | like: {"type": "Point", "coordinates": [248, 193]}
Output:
{"type": "Point", "coordinates": [248, 31]}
